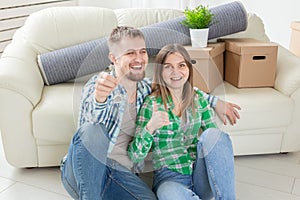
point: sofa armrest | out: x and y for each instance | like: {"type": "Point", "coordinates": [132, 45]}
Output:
{"type": "Point", "coordinates": [21, 86]}
{"type": "Point", "coordinates": [19, 72]}
{"type": "Point", "coordinates": [288, 72]}
{"type": "Point", "coordinates": [16, 129]}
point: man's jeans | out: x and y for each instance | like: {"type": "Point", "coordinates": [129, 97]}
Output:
{"type": "Point", "coordinates": [213, 174]}
{"type": "Point", "coordinates": [88, 174]}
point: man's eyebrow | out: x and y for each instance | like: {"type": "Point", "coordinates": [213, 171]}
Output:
{"type": "Point", "coordinates": [128, 50]}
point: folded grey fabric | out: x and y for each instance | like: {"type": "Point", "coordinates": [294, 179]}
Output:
{"type": "Point", "coordinates": [75, 61]}
{"type": "Point", "coordinates": [228, 19]}
{"type": "Point", "coordinates": [86, 58]}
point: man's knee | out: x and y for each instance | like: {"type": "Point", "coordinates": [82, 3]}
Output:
{"type": "Point", "coordinates": [93, 137]}
{"type": "Point", "coordinates": [91, 133]}
{"type": "Point", "coordinates": [94, 129]}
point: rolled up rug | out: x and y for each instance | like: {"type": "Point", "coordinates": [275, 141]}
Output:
{"type": "Point", "coordinates": [89, 57]}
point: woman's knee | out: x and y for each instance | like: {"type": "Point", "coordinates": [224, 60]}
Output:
{"type": "Point", "coordinates": [170, 190]}
{"type": "Point", "coordinates": [210, 137]}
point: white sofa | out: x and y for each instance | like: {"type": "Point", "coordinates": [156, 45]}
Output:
{"type": "Point", "coordinates": [37, 121]}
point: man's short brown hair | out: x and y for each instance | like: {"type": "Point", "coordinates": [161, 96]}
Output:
{"type": "Point", "coordinates": [121, 32]}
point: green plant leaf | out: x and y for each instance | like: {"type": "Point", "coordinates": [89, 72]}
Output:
{"type": "Point", "coordinates": [197, 18]}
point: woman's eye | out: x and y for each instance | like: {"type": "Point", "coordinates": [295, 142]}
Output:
{"type": "Point", "coordinates": [166, 66]}
{"type": "Point", "coordinates": [182, 65]}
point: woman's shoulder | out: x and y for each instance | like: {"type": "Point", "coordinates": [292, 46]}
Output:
{"type": "Point", "coordinates": [200, 96]}
{"type": "Point", "coordinates": [150, 98]}
{"type": "Point", "coordinates": [153, 98]}
{"type": "Point", "coordinates": [198, 92]}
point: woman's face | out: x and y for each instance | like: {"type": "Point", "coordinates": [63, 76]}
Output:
{"type": "Point", "coordinates": [175, 71]}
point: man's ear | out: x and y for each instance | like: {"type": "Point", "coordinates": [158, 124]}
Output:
{"type": "Point", "coordinates": [112, 58]}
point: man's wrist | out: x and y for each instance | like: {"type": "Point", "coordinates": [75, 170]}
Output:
{"type": "Point", "coordinates": [214, 101]}
{"type": "Point", "coordinates": [99, 105]}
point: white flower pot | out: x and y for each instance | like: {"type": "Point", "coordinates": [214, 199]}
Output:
{"type": "Point", "coordinates": [199, 37]}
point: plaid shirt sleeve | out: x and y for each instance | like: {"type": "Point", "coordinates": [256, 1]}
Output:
{"type": "Point", "coordinates": [212, 100]}
{"type": "Point", "coordinates": [90, 110]}
{"type": "Point", "coordinates": [142, 142]}
{"type": "Point", "coordinates": [207, 114]}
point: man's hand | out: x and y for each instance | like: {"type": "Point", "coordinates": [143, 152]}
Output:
{"type": "Point", "coordinates": [104, 85]}
{"type": "Point", "coordinates": [229, 110]}
{"type": "Point", "coordinates": [158, 119]}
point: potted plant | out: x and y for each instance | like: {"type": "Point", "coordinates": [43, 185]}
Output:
{"type": "Point", "coordinates": [198, 21]}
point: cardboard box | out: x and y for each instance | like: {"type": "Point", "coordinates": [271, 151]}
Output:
{"type": "Point", "coordinates": [250, 63]}
{"type": "Point", "coordinates": [209, 66]}
{"type": "Point", "coordinates": [295, 38]}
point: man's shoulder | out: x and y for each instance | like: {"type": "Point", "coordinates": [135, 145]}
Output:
{"type": "Point", "coordinates": [144, 86]}
{"type": "Point", "coordinates": [146, 81]}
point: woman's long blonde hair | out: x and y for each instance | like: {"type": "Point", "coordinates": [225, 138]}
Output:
{"type": "Point", "coordinates": [159, 88]}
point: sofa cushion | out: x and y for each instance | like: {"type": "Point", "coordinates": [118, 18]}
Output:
{"type": "Point", "coordinates": [137, 17]}
{"type": "Point", "coordinates": [55, 117]}
{"type": "Point", "coordinates": [262, 108]}
{"type": "Point", "coordinates": [59, 27]}
{"type": "Point", "coordinates": [288, 72]}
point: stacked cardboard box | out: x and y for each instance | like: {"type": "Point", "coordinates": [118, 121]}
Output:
{"type": "Point", "coordinates": [208, 66]}
{"type": "Point", "coordinates": [250, 63]}
{"type": "Point", "coordinates": [247, 63]}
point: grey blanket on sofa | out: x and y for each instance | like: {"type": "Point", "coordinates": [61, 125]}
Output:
{"type": "Point", "coordinates": [86, 58]}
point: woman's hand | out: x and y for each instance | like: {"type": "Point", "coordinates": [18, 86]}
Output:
{"type": "Point", "coordinates": [158, 119]}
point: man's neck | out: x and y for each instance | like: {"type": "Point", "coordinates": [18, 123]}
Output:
{"type": "Point", "coordinates": [130, 87]}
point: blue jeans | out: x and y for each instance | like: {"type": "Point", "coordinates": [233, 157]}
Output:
{"type": "Point", "coordinates": [88, 174]}
{"type": "Point", "coordinates": [213, 173]}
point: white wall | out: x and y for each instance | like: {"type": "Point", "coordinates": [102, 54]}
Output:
{"type": "Point", "coordinates": [177, 4]}
{"type": "Point", "coordinates": [277, 15]}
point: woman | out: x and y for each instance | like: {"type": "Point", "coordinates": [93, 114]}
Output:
{"type": "Point", "coordinates": [187, 166]}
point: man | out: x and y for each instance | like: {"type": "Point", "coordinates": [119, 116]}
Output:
{"type": "Point", "coordinates": [97, 165]}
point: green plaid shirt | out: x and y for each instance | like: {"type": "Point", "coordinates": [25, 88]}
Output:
{"type": "Point", "coordinates": [174, 146]}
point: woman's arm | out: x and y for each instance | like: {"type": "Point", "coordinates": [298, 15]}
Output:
{"type": "Point", "coordinates": [207, 118]}
{"type": "Point", "coordinates": [143, 139]}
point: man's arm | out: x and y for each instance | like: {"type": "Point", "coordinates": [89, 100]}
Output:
{"type": "Point", "coordinates": [226, 109]}
{"type": "Point", "coordinates": [223, 108]}
{"type": "Point", "coordinates": [94, 98]}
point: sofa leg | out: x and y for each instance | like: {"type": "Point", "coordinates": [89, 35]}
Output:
{"type": "Point", "coordinates": [284, 152]}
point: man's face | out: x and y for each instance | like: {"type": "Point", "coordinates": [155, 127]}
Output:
{"type": "Point", "coordinates": [130, 58]}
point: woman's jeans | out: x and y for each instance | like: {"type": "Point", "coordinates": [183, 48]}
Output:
{"type": "Point", "coordinates": [88, 174]}
{"type": "Point", "coordinates": [213, 173]}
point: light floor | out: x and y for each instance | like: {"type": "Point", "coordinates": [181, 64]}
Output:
{"type": "Point", "coordinates": [264, 177]}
